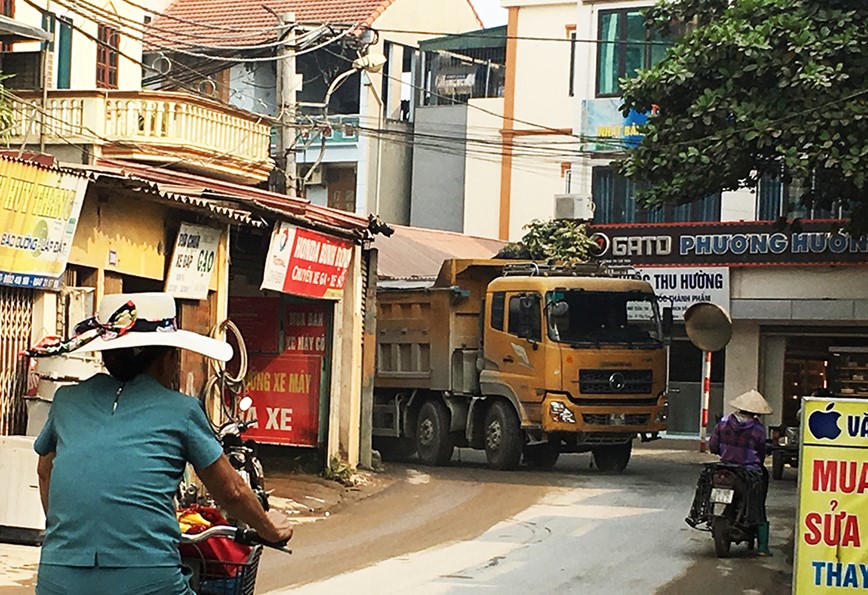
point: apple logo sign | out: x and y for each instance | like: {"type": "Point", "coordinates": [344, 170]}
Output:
{"type": "Point", "coordinates": [824, 424]}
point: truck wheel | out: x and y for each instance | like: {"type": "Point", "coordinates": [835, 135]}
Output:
{"type": "Point", "coordinates": [613, 457]}
{"type": "Point", "coordinates": [542, 456]}
{"type": "Point", "coordinates": [777, 464]}
{"type": "Point", "coordinates": [503, 437]}
{"type": "Point", "coordinates": [432, 434]}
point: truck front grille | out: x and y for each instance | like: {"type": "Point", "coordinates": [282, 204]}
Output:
{"type": "Point", "coordinates": [602, 419]}
{"type": "Point", "coordinates": [611, 382]}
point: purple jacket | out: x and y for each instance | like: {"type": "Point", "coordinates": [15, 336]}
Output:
{"type": "Point", "coordinates": [739, 442]}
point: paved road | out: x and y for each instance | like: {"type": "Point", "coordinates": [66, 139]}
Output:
{"type": "Point", "coordinates": [572, 530]}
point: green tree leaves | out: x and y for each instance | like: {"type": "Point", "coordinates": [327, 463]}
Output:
{"type": "Point", "coordinates": [753, 87]}
{"type": "Point", "coordinates": [562, 240]}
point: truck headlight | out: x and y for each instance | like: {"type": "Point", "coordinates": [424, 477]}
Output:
{"type": "Point", "coordinates": [663, 414]}
{"type": "Point", "coordinates": [559, 412]}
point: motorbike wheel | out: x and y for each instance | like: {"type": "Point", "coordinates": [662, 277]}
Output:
{"type": "Point", "coordinates": [777, 464]}
{"type": "Point", "coordinates": [614, 457]}
{"type": "Point", "coordinates": [433, 442]}
{"type": "Point", "coordinates": [721, 530]}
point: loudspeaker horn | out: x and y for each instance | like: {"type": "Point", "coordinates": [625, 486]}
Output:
{"type": "Point", "coordinates": [708, 326]}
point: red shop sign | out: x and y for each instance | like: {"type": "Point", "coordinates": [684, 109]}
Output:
{"type": "Point", "coordinates": [286, 391]}
{"type": "Point", "coordinates": [305, 328]}
{"type": "Point", "coordinates": [258, 319]}
{"type": "Point", "coordinates": [307, 263]}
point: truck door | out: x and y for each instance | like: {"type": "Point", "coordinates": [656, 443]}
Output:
{"type": "Point", "coordinates": [514, 349]}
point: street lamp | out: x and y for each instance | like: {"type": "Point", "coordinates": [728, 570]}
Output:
{"type": "Point", "coordinates": [371, 62]}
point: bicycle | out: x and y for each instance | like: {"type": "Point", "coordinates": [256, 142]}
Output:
{"type": "Point", "coordinates": [226, 577]}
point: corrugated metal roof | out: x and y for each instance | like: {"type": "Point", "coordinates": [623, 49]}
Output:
{"type": "Point", "coordinates": [292, 208]}
{"type": "Point", "coordinates": [417, 253]}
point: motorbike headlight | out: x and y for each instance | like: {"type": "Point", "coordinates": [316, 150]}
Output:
{"type": "Point", "coordinates": [559, 412]}
{"type": "Point", "coordinates": [783, 441]}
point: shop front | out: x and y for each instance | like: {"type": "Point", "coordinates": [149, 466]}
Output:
{"type": "Point", "coordinates": [798, 299]}
{"type": "Point", "coordinates": [298, 315]}
{"type": "Point", "coordinates": [40, 213]}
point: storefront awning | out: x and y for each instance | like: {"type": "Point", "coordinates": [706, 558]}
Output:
{"type": "Point", "coordinates": [12, 31]}
{"type": "Point", "coordinates": [412, 255]}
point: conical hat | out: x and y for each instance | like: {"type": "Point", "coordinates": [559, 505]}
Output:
{"type": "Point", "coordinates": [752, 402]}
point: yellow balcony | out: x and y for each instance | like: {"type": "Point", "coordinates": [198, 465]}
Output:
{"type": "Point", "coordinates": [178, 129]}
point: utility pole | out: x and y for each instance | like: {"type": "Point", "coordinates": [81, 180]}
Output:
{"type": "Point", "coordinates": [287, 86]}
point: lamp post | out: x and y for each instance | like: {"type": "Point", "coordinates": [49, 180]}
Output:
{"type": "Point", "coordinates": [371, 62]}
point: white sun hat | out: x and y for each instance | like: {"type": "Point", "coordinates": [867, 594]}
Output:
{"type": "Point", "coordinates": [128, 320]}
{"type": "Point", "coordinates": [752, 402]}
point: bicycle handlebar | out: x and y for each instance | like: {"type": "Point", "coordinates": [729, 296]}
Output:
{"type": "Point", "coordinates": [243, 536]}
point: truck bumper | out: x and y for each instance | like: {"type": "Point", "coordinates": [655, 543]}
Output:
{"type": "Point", "coordinates": [559, 414]}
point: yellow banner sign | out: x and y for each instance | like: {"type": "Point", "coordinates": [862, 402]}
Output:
{"type": "Point", "coordinates": [831, 556]}
{"type": "Point", "coordinates": [39, 210]}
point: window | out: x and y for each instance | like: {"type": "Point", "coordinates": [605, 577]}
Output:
{"type": "Point", "coordinates": [776, 199]}
{"type": "Point", "coordinates": [524, 317]}
{"type": "Point", "coordinates": [7, 8]}
{"type": "Point", "coordinates": [572, 63]}
{"type": "Point", "coordinates": [107, 57]}
{"type": "Point", "coordinates": [625, 46]}
{"type": "Point", "coordinates": [615, 202]}
{"type": "Point", "coordinates": [498, 303]}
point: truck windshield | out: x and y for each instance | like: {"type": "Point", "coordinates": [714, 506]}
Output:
{"type": "Point", "coordinates": [590, 318]}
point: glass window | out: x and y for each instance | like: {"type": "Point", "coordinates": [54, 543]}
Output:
{"type": "Point", "coordinates": [107, 57]}
{"type": "Point", "coordinates": [498, 302]}
{"type": "Point", "coordinates": [594, 317]}
{"type": "Point", "coordinates": [624, 47]}
{"type": "Point", "coordinates": [615, 201]}
{"type": "Point", "coordinates": [524, 317]}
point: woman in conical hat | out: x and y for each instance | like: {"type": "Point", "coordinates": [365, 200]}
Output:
{"type": "Point", "coordinates": [114, 449]}
{"type": "Point", "coordinates": [740, 439]}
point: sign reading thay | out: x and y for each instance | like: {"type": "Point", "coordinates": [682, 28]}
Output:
{"type": "Point", "coordinates": [307, 263]}
{"type": "Point", "coordinates": [193, 262]}
{"type": "Point", "coordinates": [833, 498]}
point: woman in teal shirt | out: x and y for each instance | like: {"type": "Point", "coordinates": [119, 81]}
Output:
{"type": "Point", "coordinates": [113, 452]}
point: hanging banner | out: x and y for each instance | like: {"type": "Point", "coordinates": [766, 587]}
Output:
{"type": "Point", "coordinates": [193, 262]}
{"type": "Point", "coordinates": [307, 263]}
{"type": "Point", "coordinates": [833, 498]}
{"type": "Point", "coordinates": [39, 214]}
{"type": "Point", "coordinates": [681, 287]}
{"type": "Point", "coordinates": [286, 392]}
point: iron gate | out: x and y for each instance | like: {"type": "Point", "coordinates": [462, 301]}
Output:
{"type": "Point", "coordinates": [16, 314]}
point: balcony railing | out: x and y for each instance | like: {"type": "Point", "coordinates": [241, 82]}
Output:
{"type": "Point", "coordinates": [190, 132]}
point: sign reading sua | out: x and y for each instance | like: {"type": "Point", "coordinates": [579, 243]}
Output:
{"type": "Point", "coordinates": [831, 554]}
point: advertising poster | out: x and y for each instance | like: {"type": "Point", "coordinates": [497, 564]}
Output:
{"type": "Point", "coordinates": [681, 287]}
{"type": "Point", "coordinates": [603, 121]}
{"type": "Point", "coordinates": [193, 262]}
{"type": "Point", "coordinates": [257, 317]}
{"type": "Point", "coordinates": [286, 392]}
{"type": "Point", "coordinates": [305, 328]}
{"type": "Point", "coordinates": [831, 556]}
{"type": "Point", "coordinates": [306, 263]}
{"type": "Point", "coordinates": [38, 218]}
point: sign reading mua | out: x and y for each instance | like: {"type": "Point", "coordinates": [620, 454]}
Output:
{"type": "Point", "coordinates": [193, 262]}
{"type": "Point", "coordinates": [307, 263]}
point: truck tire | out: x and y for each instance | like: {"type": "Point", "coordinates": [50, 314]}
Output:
{"type": "Point", "coordinates": [542, 456]}
{"type": "Point", "coordinates": [503, 436]}
{"type": "Point", "coordinates": [777, 464]}
{"type": "Point", "coordinates": [613, 457]}
{"type": "Point", "coordinates": [433, 442]}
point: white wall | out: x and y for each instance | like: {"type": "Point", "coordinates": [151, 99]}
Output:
{"type": "Point", "coordinates": [482, 173]}
{"type": "Point", "coordinates": [794, 283]}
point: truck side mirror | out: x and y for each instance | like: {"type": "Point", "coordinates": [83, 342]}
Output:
{"type": "Point", "coordinates": [667, 320]}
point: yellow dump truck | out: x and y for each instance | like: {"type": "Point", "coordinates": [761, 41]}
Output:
{"type": "Point", "coordinates": [523, 360]}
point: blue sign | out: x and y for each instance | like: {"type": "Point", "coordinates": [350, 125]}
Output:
{"type": "Point", "coordinates": [606, 128]}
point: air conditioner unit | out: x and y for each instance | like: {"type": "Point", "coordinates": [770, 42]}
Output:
{"type": "Point", "coordinates": [574, 206]}
{"type": "Point", "coordinates": [315, 178]}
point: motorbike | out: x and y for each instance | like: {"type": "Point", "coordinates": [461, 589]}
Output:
{"type": "Point", "coordinates": [783, 445]}
{"type": "Point", "coordinates": [241, 454]}
{"type": "Point", "coordinates": [723, 504]}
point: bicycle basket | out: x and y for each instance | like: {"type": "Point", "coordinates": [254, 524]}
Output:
{"type": "Point", "coordinates": [219, 577]}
